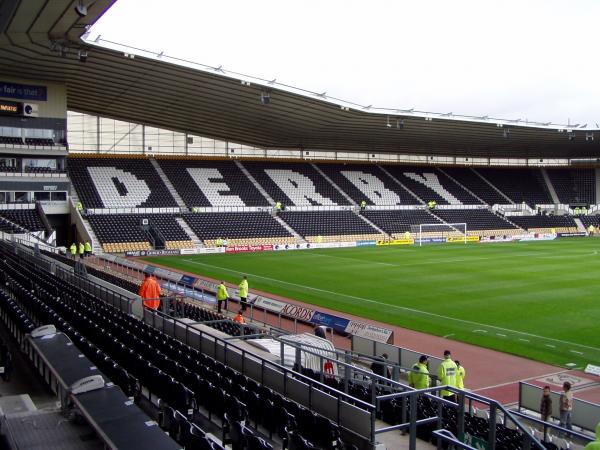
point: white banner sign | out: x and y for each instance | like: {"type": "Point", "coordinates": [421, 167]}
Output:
{"type": "Point", "coordinates": [369, 331]}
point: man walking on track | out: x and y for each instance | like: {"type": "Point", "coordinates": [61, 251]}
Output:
{"type": "Point", "coordinates": [150, 292]}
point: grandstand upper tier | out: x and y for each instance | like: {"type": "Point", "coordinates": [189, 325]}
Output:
{"type": "Point", "coordinates": [235, 200]}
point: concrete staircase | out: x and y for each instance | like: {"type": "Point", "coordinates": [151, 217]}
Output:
{"type": "Point", "coordinates": [330, 181]}
{"type": "Point", "coordinates": [372, 224]}
{"type": "Point", "coordinates": [401, 185]}
{"type": "Point", "coordinates": [580, 226]}
{"type": "Point", "coordinates": [508, 200]}
{"type": "Point", "coordinates": [555, 198]}
{"type": "Point", "coordinates": [290, 229]}
{"type": "Point", "coordinates": [193, 237]}
{"type": "Point", "coordinates": [168, 184]}
{"type": "Point", "coordinates": [97, 246]}
{"type": "Point", "coordinates": [462, 186]}
{"type": "Point", "coordinates": [255, 183]}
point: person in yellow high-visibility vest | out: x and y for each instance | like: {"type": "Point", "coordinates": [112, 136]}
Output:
{"type": "Point", "coordinates": [73, 250]}
{"type": "Point", "coordinates": [460, 375]}
{"type": "Point", "coordinates": [81, 249]}
{"type": "Point", "coordinates": [88, 248]}
{"type": "Point", "coordinates": [419, 376]}
{"type": "Point", "coordinates": [222, 296]}
{"type": "Point", "coordinates": [447, 375]}
{"type": "Point", "coordinates": [244, 292]}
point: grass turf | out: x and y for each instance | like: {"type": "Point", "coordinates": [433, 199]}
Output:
{"type": "Point", "coordinates": [540, 300]}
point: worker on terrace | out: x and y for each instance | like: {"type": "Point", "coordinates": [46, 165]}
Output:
{"type": "Point", "coordinates": [460, 375]}
{"type": "Point", "coordinates": [222, 296]}
{"type": "Point", "coordinates": [244, 293]}
{"type": "Point", "coordinates": [81, 250]}
{"type": "Point", "coordinates": [447, 375]}
{"type": "Point", "coordinates": [419, 376]}
{"type": "Point", "coordinates": [73, 250]}
{"type": "Point", "coordinates": [363, 204]}
{"type": "Point", "coordinates": [88, 248]}
{"type": "Point", "coordinates": [150, 292]}
{"type": "Point", "coordinates": [240, 317]}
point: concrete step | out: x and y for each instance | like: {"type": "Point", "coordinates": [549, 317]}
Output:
{"type": "Point", "coordinates": [330, 181]}
{"type": "Point", "coordinates": [193, 237]}
{"type": "Point", "coordinates": [290, 229]}
{"type": "Point", "coordinates": [168, 184]}
{"type": "Point", "coordinates": [255, 183]}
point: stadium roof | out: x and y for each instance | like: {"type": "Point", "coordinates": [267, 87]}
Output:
{"type": "Point", "coordinates": [41, 40]}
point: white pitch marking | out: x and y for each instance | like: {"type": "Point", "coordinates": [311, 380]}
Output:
{"type": "Point", "coordinates": [550, 345]}
{"type": "Point", "coordinates": [500, 334]}
{"type": "Point", "coordinates": [576, 352]}
{"type": "Point", "coordinates": [402, 308]}
{"type": "Point", "coordinates": [524, 340]}
{"type": "Point", "coordinates": [479, 331]}
{"type": "Point", "coordinates": [448, 335]}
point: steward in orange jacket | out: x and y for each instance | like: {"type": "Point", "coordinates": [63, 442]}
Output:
{"type": "Point", "coordinates": [150, 292]}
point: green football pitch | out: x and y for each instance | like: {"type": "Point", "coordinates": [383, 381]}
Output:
{"type": "Point", "coordinates": [536, 299]}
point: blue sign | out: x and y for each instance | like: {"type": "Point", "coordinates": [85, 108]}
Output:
{"type": "Point", "coordinates": [337, 323]}
{"type": "Point", "coordinates": [365, 243]}
{"type": "Point", "coordinates": [23, 91]}
{"type": "Point", "coordinates": [191, 293]}
{"type": "Point", "coordinates": [188, 279]}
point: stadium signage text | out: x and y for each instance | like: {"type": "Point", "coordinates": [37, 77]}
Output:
{"type": "Point", "coordinates": [23, 91]}
{"type": "Point", "coordinates": [369, 331]}
{"type": "Point", "coordinates": [462, 239]}
{"type": "Point", "coordinates": [572, 234]}
{"type": "Point", "coordinates": [152, 252]}
{"type": "Point", "coordinates": [335, 322]}
{"type": "Point", "coordinates": [396, 242]}
{"type": "Point", "coordinates": [10, 108]}
{"type": "Point", "coordinates": [248, 248]}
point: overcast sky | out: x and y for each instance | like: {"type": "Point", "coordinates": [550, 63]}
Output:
{"type": "Point", "coordinates": [528, 59]}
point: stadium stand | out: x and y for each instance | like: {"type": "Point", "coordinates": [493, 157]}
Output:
{"type": "Point", "coordinates": [545, 224]}
{"type": "Point", "coordinates": [207, 183]}
{"type": "Point", "coordinates": [481, 222]}
{"type": "Point", "coordinates": [26, 218]}
{"type": "Point", "coordinates": [520, 185]}
{"type": "Point", "coordinates": [297, 184]}
{"type": "Point", "coordinates": [397, 222]}
{"type": "Point", "coordinates": [574, 185]}
{"type": "Point", "coordinates": [470, 180]}
{"type": "Point", "coordinates": [331, 225]}
{"type": "Point", "coordinates": [118, 182]}
{"type": "Point", "coordinates": [145, 361]}
{"type": "Point", "coordinates": [238, 228]}
{"type": "Point", "coordinates": [125, 231]}
{"type": "Point", "coordinates": [428, 185]}
{"type": "Point", "coordinates": [368, 183]}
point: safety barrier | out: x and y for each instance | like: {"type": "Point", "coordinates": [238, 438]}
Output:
{"type": "Point", "coordinates": [585, 414]}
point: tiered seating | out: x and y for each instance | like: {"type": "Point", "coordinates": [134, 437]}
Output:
{"type": "Point", "coordinates": [211, 183]}
{"type": "Point", "coordinates": [368, 183]}
{"type": "Point", "coordinates": [545, 224]}
{"type": "Point", "coordinates": [144, 361]}
{"type": "Point", "coordinates": [238, 228]}
{"type": "Point", "coordinates": [6, 168]}
{"type": "Point", "coordinates": [11, 140]}
{"type": "Point", "coordinates": [26, 218]}
{"type": "Point", "coordinates": [123, 232]}
{"type": "Point", "coordinates": [297, 184]}
{"type": "Point", "coordinates": [520, 185]}
{"type": "Point", "coordinates": [476, 185]}
{"type": "Point", "coordinates": [574, 185]}
{"type": "Point", "coordinates": [429, 184]}
{"type": "Point", "coordinates": [590, 220]}
{"type": "Point", "coordinates": [39, 141]}
{"type": "Point", "coordinates": [111, 182]}
{"type": "Point", "coordinates": [397, 222]}
{"type": "Point", "coordinates": [330, 225]}
{"type": "Point", "coordinates": [480, 222]}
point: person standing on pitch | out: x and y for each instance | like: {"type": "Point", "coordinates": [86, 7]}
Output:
{"type": "Point", "coordinates": [222, 296]}
{"type": "Point", "coordinates": [447, 375]}
{"type": "Point", "coordinates": [460, 375]}
{"type": "Point", "coordinates": [419, 376]}
{"type": "Point", "coordinates": [244, 293]}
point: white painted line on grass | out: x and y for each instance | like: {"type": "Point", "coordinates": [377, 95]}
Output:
{"type": "Point", "coordinates": [576, 352]}
{"type": "Point", "coordinates": [402, 308]}
{"type": "Point", "coordinates": [524, 340]}
{"type": "Point", "coordinates": [448, 335]}
{"type": "Point", "coordinates": [479, 331]}
{"type": "Point", "coordinates": [550, 345]}
{"type": "Point", "coordinates": [500, 334]}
